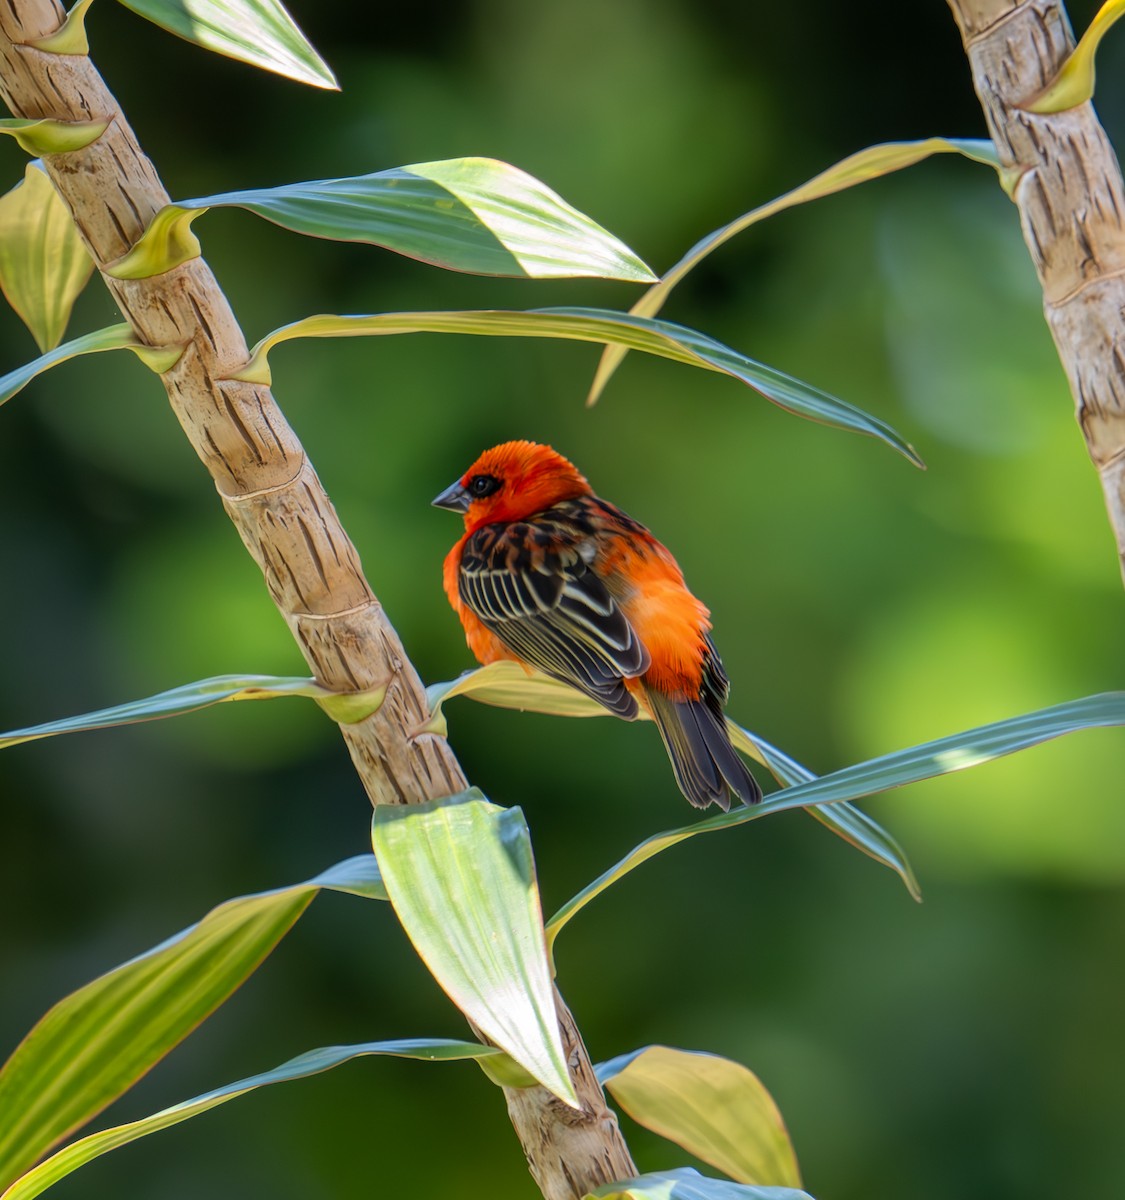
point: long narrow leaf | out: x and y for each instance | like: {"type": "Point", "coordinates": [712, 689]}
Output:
{"type": "Point", "coordinates": [714, 1108]}
{"type": "Point", "coordinates": [660, 338]}
{"type": "Point", "coordinates": [461, 878]}
{"type": "Point", "coordinates": [258, 32]}
{"type": "Point", "coordinates": [942, 757]}
{"type": "Point", "coordinates": [191, 697]}
{"type": "Point", "coordinates": [866, 164]}
{"type": "Point", "coordinates": [686, 1184]}
{"type": "Point", "coordinates": [508, 685]}
{"type": "Point", "coordinates": [97, 1042]}
{"type": "Point", "coordinates": [77, 1154]}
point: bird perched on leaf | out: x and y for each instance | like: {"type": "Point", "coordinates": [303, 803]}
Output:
{"type": "Point", "coordinates": [551, 576]}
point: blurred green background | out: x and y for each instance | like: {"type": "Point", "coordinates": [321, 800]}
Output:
{"type": "Point", "coordinates": [968, 1047]}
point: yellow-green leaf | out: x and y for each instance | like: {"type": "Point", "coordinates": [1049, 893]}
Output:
{"type": "Point", "coordinates": [45, 136]}
{"type": "Point", "coordinates": [70, 37]}
{"type": "Point", "coordinates": [43, 264]}
{"type": "Point", "coordinates": [714, 1108]}
{"type": "Point", "coordinates": [1074, 84]}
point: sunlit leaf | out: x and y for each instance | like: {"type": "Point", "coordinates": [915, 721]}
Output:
{"type": "Point", "coordinates": [686, 1184]}
{"type": "Point", "coordinates": [43, 264]}
{"type": "Point", "coordinates": [45, 136]}
{"type": "Point", "coordinates": [461, 878]}
{"type": "Point", "coordinates": [508, 685]}
{"type": "Point", "coordinates": [78, 1153]}
{"type": "Point", "coordinates": [98, 1041]}
{"type": "Point", "coordinates": [661, 338]}
{"type": "Point", "coordinates": [258, 32]}
{"type": "Point", "coordinates": [714, 1108]}
{"type": "Point", "coordinates": [343, 707]}
{"type": "Point", "coordinates": [113, 337]}
{"type": "Point", "coordinates": [866, 164]}
{"type": "Point", "coordinates": [465, 214]}
{"type": "Point", "coordinates": [1074, 84]}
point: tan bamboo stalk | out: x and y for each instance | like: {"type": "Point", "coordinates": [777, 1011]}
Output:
{"type": "Point", "coordinates": [1072, 208]}
{"type": "Point", "coordinates": [271, 492]}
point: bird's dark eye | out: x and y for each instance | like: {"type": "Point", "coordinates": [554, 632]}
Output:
{"type": "Point", "coordinates": [483, 485]}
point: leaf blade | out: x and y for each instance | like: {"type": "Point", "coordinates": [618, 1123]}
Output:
{"type": "Point", "coordinates": [686, 1184]}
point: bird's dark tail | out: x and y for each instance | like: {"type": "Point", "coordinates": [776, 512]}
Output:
{"type": "Point", "coordinates": [708, 768]}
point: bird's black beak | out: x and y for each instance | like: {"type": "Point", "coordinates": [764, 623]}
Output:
{"type": "Point", "coordinates": [455, 498]}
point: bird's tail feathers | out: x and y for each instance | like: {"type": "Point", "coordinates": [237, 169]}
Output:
{"type": "Point", "coordinates": [708, 769]}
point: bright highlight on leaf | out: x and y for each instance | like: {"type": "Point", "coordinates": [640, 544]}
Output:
{"type": "Point", "coordinates": [1074, 84]}
{"type": "Point", "coordinates": [477, 215]}
{"type": "Point", "coordinates": [258, 32]}
{"type": "Point", "coordinates": [686, 1184]}
{"type": "Point", "coordinates": [856, 168]}
{"type": "Point", "coordinates": [660, 338]}
{"type": "Point", "coordinates": [714, 1108]}
{"type": "Point", "coordinates": [347, 708]}
{"type": "Point", "coordinates": [97, 1042]}
{"type": "Point", "coordinates": [509, 685]}
{"type": "Point", "coordinates": [461, 879]}
{"type": "Point", "coordinates": [43, 264]}
{"type": "Point", "coordinates": [51, 137]}
{"type": "Point", "coordinates": [77, 1154]}
{"type": "Point", "coordinates": [113, 337]}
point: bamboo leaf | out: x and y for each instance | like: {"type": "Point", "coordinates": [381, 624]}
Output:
{"type": "Point", "coordinates": [45, 136]}
{"type": "Point", "coordinates": [941, 757]}
{"type": "Point", "coordinates": [1074, 84]}
{"type": "Point", "coordinates": [508, 685]}
{"type": "Point", "coordinates": [70, 37]}
{"type": "Point", "coordinates": [860, 167]}
{"type": "Point", "coordinates": [113, 337]}
{"type": "Point", "coordinates": [258, 32]}
{"type": "Point", "coordinates": [97, 1042]}
{"type": "Point", "coordinates": [461, 878]}
{"type": "Point", "coordinates": [714, 1108]}
{"type": "Point", "coordinates": [43, 263]}
{"type": "Point", "coordinates": [686, 1184]}
{"type": "Point", "coordinates": [347, 708]}
{"type": "Point", "coordinates": [80, 1152]}
{"type": "Point", "coordinates": [661, 338]}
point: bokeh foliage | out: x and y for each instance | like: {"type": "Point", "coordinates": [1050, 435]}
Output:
{"type": "Point", "coordinates": [968, 1047]}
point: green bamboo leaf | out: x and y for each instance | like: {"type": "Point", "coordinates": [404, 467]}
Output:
{"type": "Point", "coordinates": [661, 338]}
{"type": "Point", "coordinates": [98, 1041]}
{"type": "Point", "coordinates": [44, 136]}
{"type": "Point", "coordinates": [714, 1108]}
{"type": "Point", "coordinates": [461, 878]}
{"type": "Point", "coordinates": [942, 757]}
{"type": "Point", "coordinates": [1074, 84]}
{"type": "Point", "coordinates": [478, 215]}
{"type": "Point", "coordinates": [113, 337]}
{"type": "Point", "coordinates": [347, 708]}
{"type": "Point", "coordinates": [686, 1184]}
{"type": "Point", "coordinates": [258, 32]}
{"type": "Point", "coordinates": [78, 1153]}
{"type": "Point", "coordinates": [508, 685]}
{"type": "Point", "coordinates": [43, 263]}
{"type": "Point", "coordinates": [857, 168]}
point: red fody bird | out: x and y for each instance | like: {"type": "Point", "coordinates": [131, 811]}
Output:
{"type": "Point", "coordinates": [551, 576]}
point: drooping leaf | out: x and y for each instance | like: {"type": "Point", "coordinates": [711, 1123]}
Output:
{"type": "Point", "coordinates": [97, 1042]}
{"type": "Point", "coordinates": [113, 337]}
{"type": "Point", "coordinates": [461, 878]}
{"type": "Point", "coordinates": [661, 338]}
{"type": "Point", "coordinates": [941, 757]}
{"type": "Point", "coordinates": [258, 32]}
{"type": "Point", "coordinates": [866, 164]}
{"type": "Point", "coordinates": [46, 136]}
{"type": "Point", "coordinates": [508, 685]}
{"type": "Point", "coordinates": [477, 215]}
{"type": "Point", "coordinates": [43, 264]}
{"type": "Point", "coordinates": [714, 1108]}
{"type": "Point", "coordinates": [686, 1184]}
{"type": "Point", "coordinates": [1074, 84]}
{"type": "Point", "coordinates": [343, 707]}
{"type": "Point", "coordinates": [78, 1153]}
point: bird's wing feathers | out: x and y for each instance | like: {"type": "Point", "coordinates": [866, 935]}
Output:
{"type": "Point", "coordinates": [531, 585]}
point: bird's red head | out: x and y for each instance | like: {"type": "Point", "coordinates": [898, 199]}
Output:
{"type": "Point", "coordinates": [511, 482]}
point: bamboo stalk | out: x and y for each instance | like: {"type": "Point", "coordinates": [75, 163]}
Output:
{"type": "Point", "coordinates": [286, 521]}
{"type": "Point", "coordinates": [1072, 209]}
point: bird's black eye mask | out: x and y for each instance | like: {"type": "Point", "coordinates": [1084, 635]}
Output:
{"type": "Point", "coordinates": [483, 485]}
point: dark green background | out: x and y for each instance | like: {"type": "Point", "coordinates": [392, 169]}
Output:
{"type": "Point", "coordinates": [970, 1047]}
